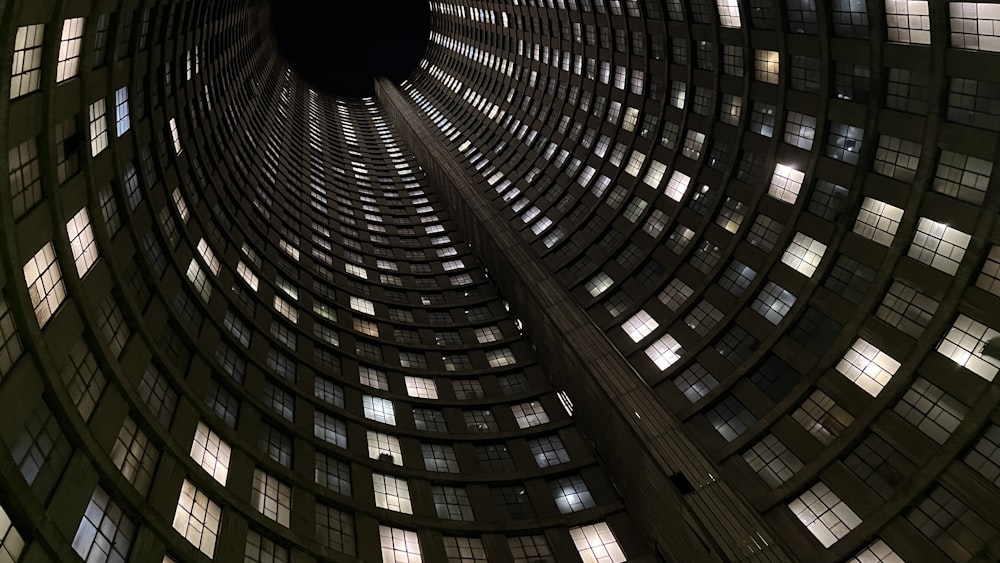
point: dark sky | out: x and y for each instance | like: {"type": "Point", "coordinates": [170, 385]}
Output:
{"type": "Point", "coordinates": [340, 46]}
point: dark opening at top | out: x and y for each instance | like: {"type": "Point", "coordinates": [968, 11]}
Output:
{"type": "Point", "coordinates": [341, 46]}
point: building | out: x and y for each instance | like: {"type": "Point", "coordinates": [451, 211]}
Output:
{"type": "Point", "coordinates": [602, 280]}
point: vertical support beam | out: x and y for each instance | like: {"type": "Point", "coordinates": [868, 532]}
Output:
{"type": "Point", "coordinates": [641, 444]}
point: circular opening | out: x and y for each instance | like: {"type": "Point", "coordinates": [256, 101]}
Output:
{"type": "Point", "coordinates": [340, 47]}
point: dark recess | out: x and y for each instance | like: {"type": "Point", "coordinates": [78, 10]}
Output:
{"type": "Point", "coordinates": [340, 47]}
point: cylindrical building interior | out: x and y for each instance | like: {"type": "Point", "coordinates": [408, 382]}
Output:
{"type": "Point", "coordinates": [601, 281]}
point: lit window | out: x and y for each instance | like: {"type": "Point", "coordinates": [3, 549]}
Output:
{"type": "Point", "coordinates": [938, 245]}
{"type": "Point", "coordinates": [868, 367]}
{"type": "Point", "coordinates": [766, 66]}
{"type": "Point", "coordinates": [639, 326]}
{"type": "Point", "coordinates": [677, 186]}
{"type": "Point", "coordinates": [69, 49]}
{"type": "Point", "coordinates": [800, 130]}
{"type": "Point", "coordinates": [571, 494]}
{"type": "Point", "coordinates": [105, 532]}
{"type": "Point", "coordinates": [285, 310]}
{"type": "Point", "coordinates": [210, 452]}
{"type": "Point", "coordinates": [729, 13]}
{"type": "Point", "coordinates": [664, 352]}
{"type": "Point", "coordinates": [529, 414]}
{"type": "Point", "coordinates": [975, 25]}
{"type": "Point", "coordinates": [635, 163]}
{"type": "Point", "coordinates": [182, 210]}
{"type": "Point", "coordinates": [908, 21]}
{"type": "Point", "coordinates": [399, 546]}
{"type": "Point", "coordinates": [98, 128]}
{"type": "Point", "coordinates": [878, 221]}
{"type": "Point", "coordinates": [971, 344]}
{"type": "Point", "coordinates": [11, 541]}
{"type": "Point", "coordinates": [197, 518]}
{"type": "Point", "coordinates": [501, 357]}
{"type": "Point", "coordinates": [26, 72]}
{"type": "Point", "coordinates": [45, 285]}
{"type": "Point", "coordinates": [199, 280]}
{"type": "Point", "coordinates": [122, 122]}
{"type": "Point", "coordinates": [485, 335]}
{"type": "Point", "coordinates": [376, 379]}
{"type": "Point", "coordinates": [597, 544]}
{"type": "Point", "coordinates": [362, 305]}
{"type": "Point", "coordinates": [81, 241]}
{"type": "Point", "coordinates": [384, 447]}
{"type": "Point", "coordinates": [785, 183]}
{"type": "Point", "coordinates": [421, 387]}
{"type": "Point", "coordinates": [654, 175]}
{"type": "Point", "coordinates": [823, 513]}
{"type": "Point", "coordinates": [175, 135]}
{"type": "Point", "coordinates": [804, 254]}
{"type": "Point", "coordinates": [135, 456]}
{"type": "Point", "coordinates": [773, 302]}
{"type": "Point", "coordinates": [391, 493]}
{"type": "Point", "coordinates": [379, 410]}
{"type": "Point", "coordinates": [271, 497]}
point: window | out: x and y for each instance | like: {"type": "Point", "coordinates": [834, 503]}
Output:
{"type": "Point", "coordinates": [40, 450]}
{"type": "Point", "coordinates": [908, 90]}
{"type": "Point", "coordinates": [11, 541]}
{"type": "Point", "coordinates": [785, 183]}
{"type": "Point", "coordinates": [823, 513]}
{"type": "Point", "coordinates": [844, 142]}
{"type": "Point", "coordinates": [176, 136]}
{"type": "Point", "coordinates": [399, 546]}
{"type": "Point", "coordinates": [529, 549]}
{"type": "Point", "coordinates": [391, 493]}
{"type": "Point", "coordinates": [908, 21]}
{"type": "Point", "coordinates": [81, 240]}
{"type": "Point", "coordinates": [896, 158]}
{"type": "Point", "coordinates": [26, 72]}
{"type": "Point", "coordinates": [822, 417]}
{"type": "Point", "coordinates": [69, 49]}
{"type": "Point", "coordinates": [25, 177]}
{"type": "Point", "coordinates": [98, 128]}
{"type": "Point", "coordinates": [271, 497]}
{"type": "Point", "coordinates": [664, 352]}
{"type": "Point", "coordinates": [335, 529]}
{"type": "Point", "coordinates": [330, 429]}
{"type": "Point", "coordinates": [45, 285]}
{"type": "Point", "coordinates": [773, 302]}
{"type": "Point", "coordinates": [160, 398]}
{"type": "Point", "coordinates": [730, 418]}
{"type": "Point", "coordinates": [529, 414]}
{"type": "Point", "coordinates": [867, 366]}
{"type": "Point", "coordinates": [135, 456]}
{"type": "Point", "coordinates": [197, 518]}
{"type": "Point", "coordinates": [677, 185]}
{"type": "Point", "coordinates": [766, 66]}
{"type": "Point", "coordinates": [464, 550]}
{"type": "Point", "coordinates": [10, 342]}
{"type": "Point", "coordinates": [379, 410]}
{"type": "Point", "coordinates": [500, 357]}
{"type": "Point", "coordinates": [439, 457]}
{"type": "Point", "coordinates": [973, 102]}
{"type": "Point", "coordinates": [548, 451]}
{"type": "Point", "coordinates": [639, 326]}
{"type": "Point", "coordinates": [906, 308]}
{"type": "Point", "coordinates": [371, 377]}
{"type": "Point", "coordinates": [260, 549]}
{"type": "Point", "coordinates": [421, 387]}
{"type": "Point", "coordinates": [452, 503]}
{"type": "Point", "coordinates": [333, 474]}
{"type": "Point", "coordinates": [938, 245]}
{"type": "Point", "coordinates": [772, 460]}
{"type": "Point", "coordinates": [596, 543]}
{"type": "Point", "coordinates": [210, 452]}
{"type": "Point", "coordinates": [962, 177]}
{"type": "Point", "coordinates": [68, 145]}
{"type": "Point", "coordinates": [122, 122]}
{"type": "Point", "coordinates": [105, 532]}
{"type": "Point", "coordinates": [850, 18]}
{"type": "Point", "coordinates": [952, 525]}
{"type": "Point", "coordinates": [83, 380]}
{"type": "Point", "coordinates": [571, 494]}
{"type": "Point", "coordinates": [966, 344]}
{"type": "Point", "coordinates": [804, 254]}
{"type": "Point", "coordinates": [800, 130]}
{"type": "Point", "coordinates": [729, 13]}
{"type": "Point", "coordinates": [934, 412]}
{"type": "Point", "coordinates": [878, 221]}
{"type": "Point", "coordinates": [975, 25]}
{"type": "Point", "coordinates": [384, 448]}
